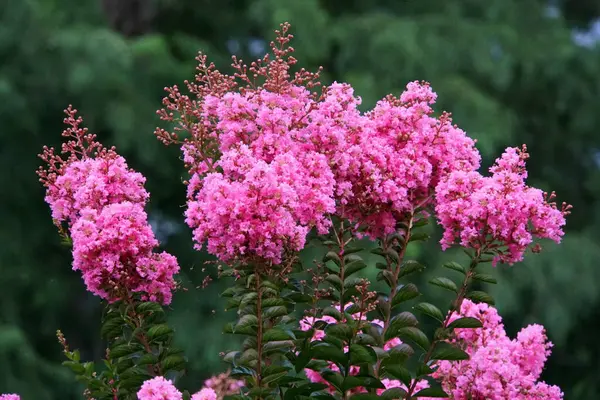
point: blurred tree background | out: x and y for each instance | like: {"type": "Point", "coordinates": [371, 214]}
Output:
{"type": "Point", "coordinates": [510, 71]}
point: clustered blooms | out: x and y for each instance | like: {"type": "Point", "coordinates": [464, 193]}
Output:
{"type": "Point", "coordinates": [159, 388]}
{"type": "Point", "coordinates": [499, 368]}
{"type": "Point", "coordinates": [101, 201]}
{"type": "Point", "coordinates": [224, 385]}
{"type": "Point", "coordinates": [268, 163]}
{"type": "Point", "coordinates": [500, 210]}
{"type": "Point", "coordinates": [9, 397]}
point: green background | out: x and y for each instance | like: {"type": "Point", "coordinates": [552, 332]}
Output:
{"type": "Point", "coordinates": [510, 71]}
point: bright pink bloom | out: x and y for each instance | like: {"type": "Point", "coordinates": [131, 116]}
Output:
{"type": "Point", "coordinates": [94, 183]}
{"type": "Point", "coordinates": [158, 388]}
{"type": "Point", "coordinates": [498, 211]}
{"type": "Point", "coordinates": [9, 397]}
{"type": "Point", "coordinates": [113, 248]}
{"type": "Point", "coordinates": [499, 368]}
{"type": "Point", "coordinates": [205, 394]}
{"type": "Point", "coordinates": [101, 201]}
{"type": "Point", "coordinates": [260, 209]}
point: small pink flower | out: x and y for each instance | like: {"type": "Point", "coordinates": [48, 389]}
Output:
{"type": "Point", "coordinates": [498, 368]}
{"type": "Point", "coordinates": [158, 388]}
{"type": "Point", "coordinates": [205, 394]}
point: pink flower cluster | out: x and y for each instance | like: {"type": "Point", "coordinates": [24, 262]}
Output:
{"type": "Point", "coordinates": [101, 200]}
{"type": "Point", "coordinates": [499, 368]}
{"type": "Point", "coordinates": [159, 388]}
{"type": "Point", "coordinates": [499, 212]}
{"type": "Point", "coordinates": [259, 208]}
{"type": "Point", "coordinates": [205, 394]}
{"type": "Point", "coordinates": [224, 385]}
{"type": "Point", "coordinates": [9, 397]}
{"type": "Point", "coordinates": [398, 153]}
{"type": "Point", "coordinates": [268, 163]}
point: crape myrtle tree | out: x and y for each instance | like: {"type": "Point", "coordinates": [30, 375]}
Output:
{"type": "Point", "coordinates": [276, 162]}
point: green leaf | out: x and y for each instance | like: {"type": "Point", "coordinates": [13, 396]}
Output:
{"type": "Point", "coordinates": [446, 351]}
{"type": "Point", "coordinates": [335, 378]}
{"type": "Point", "coordinates": [444, 283]}
{"type": "Point", "coordinates": [415, 335]}
{"type": "Point", "coordinates": [431, 392]}
{"type": "Point", "coordinates": [337, 342]}
{"type": "Point", "coordinates": [327, 352]}
{"type": "Point", "coordinates": [399, 354]}
{"type": "Point", "coordinates": [430, 310]}
{"type": "Point", "coordinates": [465, 322]}
{"type": "Point", "coordinates": [230, 292]}
{"type": "Point", "coordinates": [354, 267]}
{"type": "Point", "coordinates": [273, 378]}
{"type": "Point", "coordinates": [410, 266]}
{"type": "Point", "coordinates": [247, 356]}
{"type": "Point", "coordinates": [363, 338]}
{"type": "Point", "coordinates": [298, 297]}
{"type": "Point", "coordinates": [76, 367]}
{"type": "Point", "coordinates": [341, 331]}
{"type": "Point", "coordinates": [456, 267]}
{"type": "Point", "coordinates": [302, 359]}
{"type": "Point", "coordinates": [275, 334]}
{"type": "Point", "coordinates": [272, 301]}
{"type": "Point", "coordinates": [112, 328]}
{"type": "Point", "coordinates": [304, 390]}
{"type": "Point", "coordinates": [485, 278]}
{"type": "Point", "coordinates": [240, 372]}
{"type": "Point", "coordinates": [423, 370]}
{"type": "Point", "coordinates": [335, 281]}
{"type": "Point", "coordinates": [401, 320]}
{"type": "Point", "coordinates": [393, 394]}
{"type": "Point", "coordinates": [392, 255]}
{"type": "Point", "coordinates": [247, 321]}
{"type": "Point", "coordinates": [230, 328]}
{"type": "Point", "coordinates": [123, 350]}
{"type": "Point", "coordinates": [173, 363]}
{"type": "Point", "coordinates": [352, 282]}
{"type": "Point", "coordinates": [332, 256]}
{"type": "Point", "coordinates": [386, 276]}
{"type": "Point", "coordinates": [351, 382]}
{"type": "Point", "coordinates": [360, 354]}
{"type": "Point", "coordinates": [149, 306]}
{"type": "Point", "coordinates": [260, 393]}
{"type": "Point", "coordinates": [158, 331]}
{"type": "Point", "coordinates": [404, 319]}
{"type": "Point", "coordinates": [274, 312]}
{"type": "Point", "coordinates": [406, 292]}
{"type": "Point", "coordinates": [147, 359]}
{"type": "Point", "coordinates": [333, 312]}
{"type": "Point", "coordinates": [399, 372]}
{"type": "Point", "coordinates": [481, 297]}
{"type": "Point", "coordinates": [135, 372]}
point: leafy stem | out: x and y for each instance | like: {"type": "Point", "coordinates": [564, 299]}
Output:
{"type": "Point", "coordinates": [456, 304]}
{"type": "Point", "coordinates": [394, 283]}
{"type": "Point", "coordinates": [259, 333]}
